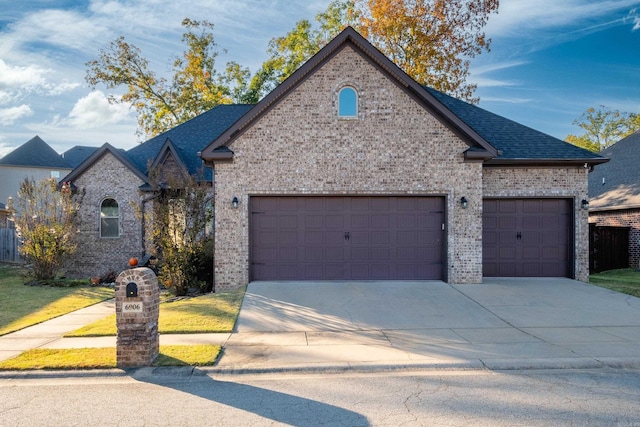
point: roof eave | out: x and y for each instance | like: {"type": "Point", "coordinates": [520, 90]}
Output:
{"type": "Point", "coordinates": [588, 162]}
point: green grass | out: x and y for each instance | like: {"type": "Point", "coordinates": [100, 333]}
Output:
{"type": "Point", "coordinates": [626, 281]}
{"type": "Point", "coordinates": [203, 314]}
{"type": "Point", "coordinates": [105, 358]}
{"type": "Point", "coordinates": [22, 306]}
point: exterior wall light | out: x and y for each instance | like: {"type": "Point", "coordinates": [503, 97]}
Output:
{"type": "Point", "coordinates": [464, 202]}
{"type": "Point", "coordinates": [235, 203]}
{"type": "Point", "coordinates": [585, 204]}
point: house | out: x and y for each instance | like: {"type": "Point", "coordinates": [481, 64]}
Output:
{"type": "Point", "coordinates": [351, 170]}
{"type": "Point", "coordinates": [614, 192]}
{"type": "Point", "coordinates": [33, 159]}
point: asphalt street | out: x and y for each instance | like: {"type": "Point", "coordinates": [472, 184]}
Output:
{"type": "Point", "coordinates": [603, 397]}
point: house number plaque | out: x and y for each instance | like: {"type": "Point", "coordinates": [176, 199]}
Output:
{"type": "Point", "coordinates": [132, 307]}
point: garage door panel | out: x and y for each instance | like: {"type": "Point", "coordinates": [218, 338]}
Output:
{"type": "Point", "coordinates": [527, 237]}
{"type": "Point", "coordinates": [346, 238]}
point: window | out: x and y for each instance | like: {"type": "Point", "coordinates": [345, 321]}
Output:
{"type": "Point", "coordinates": [348, 102]}
{"type": "Point", "coordinates": [109, 218]}
{"type": "Point", "coordinates": [55, 174]}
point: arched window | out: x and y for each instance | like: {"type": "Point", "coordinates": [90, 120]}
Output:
{"type": "Point", "coordinates": [109, 218]}
{"type": "Point", "coordinates": [348, 102]}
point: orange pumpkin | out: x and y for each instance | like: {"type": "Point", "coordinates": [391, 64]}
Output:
{"type": "Point", "coordinates": [133, 262]}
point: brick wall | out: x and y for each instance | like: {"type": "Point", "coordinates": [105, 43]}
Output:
{"type": "Point", "coordinates": [394, 147]}
{"type": "Point", "coordinates": [622, 218]}
{"type": "Point", "coordinates": [95, 256]}
{"type": "Point", "coordinates": [547, 182]}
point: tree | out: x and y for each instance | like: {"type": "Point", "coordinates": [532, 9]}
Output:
{"type": "Point", "coordinates": [47, 224]}
{"type": "Point", "coordinates": [431, 40]}
{"type": "Point", "coordinates": [289, 52]}
{"type": "Point", "coordinates": [181, 215]}
{"type": "Point", "coordinates": [196, 85]}
{"type": "Point", "coordinates": [603, 127]}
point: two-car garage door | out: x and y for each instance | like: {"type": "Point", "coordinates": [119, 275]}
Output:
{"type": "Point", "coordinates": [327, 238]}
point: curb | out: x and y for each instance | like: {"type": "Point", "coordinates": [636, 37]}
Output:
{"type": "Point", "coordinates": [631, 363]}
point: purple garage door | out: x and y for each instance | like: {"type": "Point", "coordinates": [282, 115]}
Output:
{"type": "Point", "coordinates": [527, 238]}
{"type": "Point", "coordinates": [327, 238]}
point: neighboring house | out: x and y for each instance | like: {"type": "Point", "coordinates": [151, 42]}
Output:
{"type": "Point", "coordinates": [351, 170]}
{"type": "Point", "coordinates": [33, 159]}
{"type": "Point", "coordinates": [614, 191]}
{"type": "Point", "coordinates": [76, 155]}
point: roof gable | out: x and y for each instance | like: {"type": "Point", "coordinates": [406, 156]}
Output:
{"type": "Point", "coordinates": [35, 153]}
{"type": "Point", "coordinates": [189, 138]}
{"type": "Point", "coordinates": [99, 154]}
{"type": "Point", "coordinates": [350, 37]}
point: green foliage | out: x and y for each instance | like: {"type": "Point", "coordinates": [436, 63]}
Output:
{"type": "Point", "coordinates": [180, 218]}
{"type": "Point", "coordinates": [603, 127]}
{"type": "Point", "coordinates": [431, 40]}
{"type": "Point", "coordinates": [47, 224]}
{"type": "Point", "coordinates": [195, 88]}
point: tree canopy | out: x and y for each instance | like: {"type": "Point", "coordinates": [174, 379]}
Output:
{"type": "Point", "coordinates": [196, 85]}
{"type": "Point", "coordinates": [603, 127]}
{"type": "Point", "coordinates": [431, 40]}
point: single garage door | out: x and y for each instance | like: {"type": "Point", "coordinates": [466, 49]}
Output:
{"type": "Point", "coordinates": [330, 238]}
{"type": "Point", "coordinates": [527, 238]}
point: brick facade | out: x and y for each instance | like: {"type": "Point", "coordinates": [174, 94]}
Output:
{"type": "Point", "coordinates": [95, 255]}
{"type": "Point", "coordinates": [394, 147]}
{"type": "Point", "coordinates": [568, 183]}
{"type": "Point", "coordinates": [622, 218]}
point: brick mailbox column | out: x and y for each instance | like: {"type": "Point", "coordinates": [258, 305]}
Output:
{"type": "Point", "coordinates": [137, 300]}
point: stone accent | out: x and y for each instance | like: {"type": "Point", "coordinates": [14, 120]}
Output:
{"type": "Point", "coordinates": [138, 339]}
{"type": "Point", "coordinates": [567, 182]}
{"type": "Point", "coordinates": [394, 147]}
{"type": "Point", "coordinates": [97, 256]}
{"type": "Point", "coordinates": [622, 218]}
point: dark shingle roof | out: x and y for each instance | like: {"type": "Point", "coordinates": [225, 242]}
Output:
{"type": "Point", "coordinates": [617, 184]}
{"type": "Point", "coordinates": [513, 140]}
{"type": "Point", "coordinates": [35, 153]}
{"type": "Point", "coordinates": [76, 155]}
{"type": "Point", "coordinates": [189, 138]}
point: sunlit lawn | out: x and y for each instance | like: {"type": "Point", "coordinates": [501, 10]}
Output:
{"type": "Point", "coordinates": [105, 358]}
{"type": "Point", "coordinates": [22, 306]}
{"type": "Point", "coordinates": [203, 314]}
{"type": "Point", "coordinates": [626, 281]}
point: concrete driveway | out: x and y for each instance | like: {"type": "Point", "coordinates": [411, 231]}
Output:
{"type": "Point", "coordinates": [500, 324]}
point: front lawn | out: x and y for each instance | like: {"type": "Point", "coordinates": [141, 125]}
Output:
{"type": "Point", "coordinates": [22, 306]}
{"type": "Point", "coordinates": [626, 281]}
{"type": "Point", "coordinates": [105, 358]}
{"type": "Point", "coordinates": [203, 314]}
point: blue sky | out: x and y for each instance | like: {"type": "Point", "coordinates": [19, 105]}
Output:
{"type": "Point", "coordinates": [550, 59]}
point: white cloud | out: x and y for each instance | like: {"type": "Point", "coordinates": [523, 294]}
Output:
{"type": "Point", "coordinates": [9, 116]}
{"type": "Point", "coordinates": [94, 110]}
{"type": "Point", "coordinates": [61, 88]}
{"type": "Point", "coordinates": [15, 77]}
{"type": "Point", "coordinates": [515, 17]}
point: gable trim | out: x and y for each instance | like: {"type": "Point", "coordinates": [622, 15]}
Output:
{"type": "Point", "coordinates": [99, 154]}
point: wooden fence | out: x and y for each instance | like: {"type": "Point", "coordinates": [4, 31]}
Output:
{"type": "Point", "coordinates": [9, 246]}
{"type": "Point", "coordinates": [608, 248]}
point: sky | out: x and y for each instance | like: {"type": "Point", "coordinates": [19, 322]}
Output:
{"type": "Point", "coordinates": [550, 60]}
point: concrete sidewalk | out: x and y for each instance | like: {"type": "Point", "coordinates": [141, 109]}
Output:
{"type": "Point", "coordinates": [337, 326]}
